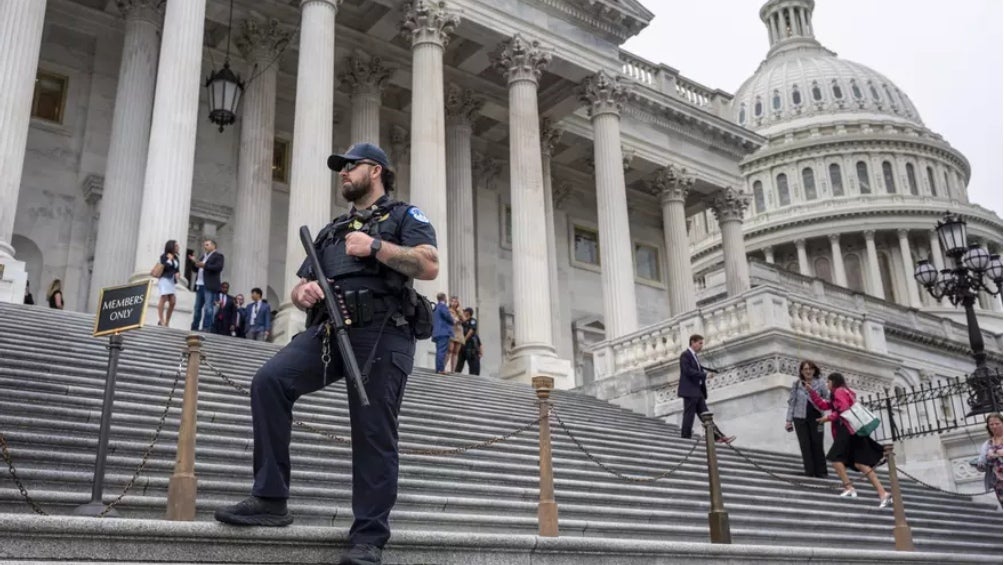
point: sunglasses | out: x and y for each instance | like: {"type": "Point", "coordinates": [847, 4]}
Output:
{"type": "Point", "coordinates": [351, 165]}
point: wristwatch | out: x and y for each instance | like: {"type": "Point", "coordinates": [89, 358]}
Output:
{"type": "Point", "coordinates": [375, 246]}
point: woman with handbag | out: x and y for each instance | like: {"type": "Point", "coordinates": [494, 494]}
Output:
{"type": "Point", "coordinates": [166, 273]}
{"type": "Point", "coordinates": [848, 447]}
{"type": "Point", "coordinates": [991, 460]}
{"type": "Point", "coordinates": [802, 419]}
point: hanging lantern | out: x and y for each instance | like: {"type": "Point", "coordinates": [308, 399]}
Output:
{"type": "Point", "coordinates": [952, 233]}
{"type": "Point", "coordinates": [225, 89]}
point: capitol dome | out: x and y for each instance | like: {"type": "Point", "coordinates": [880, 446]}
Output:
{"type": "Point", "coordinates": [801, 83]}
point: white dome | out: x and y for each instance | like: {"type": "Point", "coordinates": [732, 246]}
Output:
{"type": "Point", "coordinates": [812, 82]}
{"type": "Point", "coordinates": [801, 84]}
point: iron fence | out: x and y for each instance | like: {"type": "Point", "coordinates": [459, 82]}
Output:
{"type": "Point", "coordinates": [936, 407]}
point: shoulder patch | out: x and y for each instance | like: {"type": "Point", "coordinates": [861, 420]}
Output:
{"type": "Point", "coordinates": [418, 215]}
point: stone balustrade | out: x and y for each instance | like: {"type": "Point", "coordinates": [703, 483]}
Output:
{"type": "Point", "coordinates": [668, 81]}
{"type": "Point", "coordinates": [826, 323]}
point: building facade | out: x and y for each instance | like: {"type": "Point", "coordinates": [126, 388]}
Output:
{"type": "Point", "coordinates": [593, 207]}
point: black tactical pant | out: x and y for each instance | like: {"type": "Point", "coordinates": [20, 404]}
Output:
{"type": "Point", "coordinates": [297, 370]}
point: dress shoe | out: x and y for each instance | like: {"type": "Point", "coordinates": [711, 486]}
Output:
{"type": "Point", "coordinates": [255, 511]}
{"type": "Point", "coordinates": [849, 493]}
{"type": "Point", "coordinates": [727, 440]}
{"type": "Point", "coordinates": [363, 554]}
{"type": "Point", "coordinates": [886, 501]}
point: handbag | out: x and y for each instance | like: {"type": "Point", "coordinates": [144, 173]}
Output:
{"type": "Point", "coordinates": [860, 419]}
{"type": "Point", "coordinates": [157, 270]}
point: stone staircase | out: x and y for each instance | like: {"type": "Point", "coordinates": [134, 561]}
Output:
{"type": "Point", "coordinates": [477, 507]}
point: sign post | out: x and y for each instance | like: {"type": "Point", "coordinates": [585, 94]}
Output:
{"type": "Point", "coordinates": [122, 308]}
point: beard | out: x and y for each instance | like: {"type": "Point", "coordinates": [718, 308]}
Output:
{"type": "Point", "coordinates": [353, 191]}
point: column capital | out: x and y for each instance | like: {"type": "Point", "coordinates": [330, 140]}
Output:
{"type": "Point", "coordinates": [902, 233]}
{"type": "Point", "coordinates": [800, 243]}
{"type": "Point", "coordinates": [364, 75]}
{"type": "Point", "coordinates": [550, 135]}
{"type": "Point", "coordinates": [462, 105]}
{"type": "Point", "coordinates": [428, 21]}
{"type": "Point", "coordinates": [728, 204]}
{"type": "Point", "coordinates": [602, 94]}
{"type": "Point", "coordinates": [150, 11]}
{"type": "Point", "coordinates": [869, 235]}
{"type": "Point", "coordinates": [671, 184]}
{"type": "Point", "coordinates": [260, 41]}
{"type": "Point", "coordinates": [519, 59]}
{"type": "Point", "coordinates": [834, 238]}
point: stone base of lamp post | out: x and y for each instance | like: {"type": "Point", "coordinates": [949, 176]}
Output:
{"type": "Point", "coordinates": [523, 366]}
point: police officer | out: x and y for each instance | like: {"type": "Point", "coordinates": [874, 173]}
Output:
{"type": "Point", "coordinates": [369, 254]}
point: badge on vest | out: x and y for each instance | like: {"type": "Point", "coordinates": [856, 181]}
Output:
{"type": "Point", "coordinates": [418, 215]}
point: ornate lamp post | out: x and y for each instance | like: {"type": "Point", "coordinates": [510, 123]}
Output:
{"type": "Point", "coordinates": [974, 269]}
{"type": "Point", "coordinates": [225, 88]}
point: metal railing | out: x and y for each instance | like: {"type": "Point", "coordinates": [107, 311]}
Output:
{"type": "Point", "coordinates": [929, 408]}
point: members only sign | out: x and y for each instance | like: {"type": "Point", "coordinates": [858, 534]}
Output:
{"type": "Point", "coordinates": [122, 308]}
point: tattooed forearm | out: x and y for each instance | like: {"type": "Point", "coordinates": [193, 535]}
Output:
{"type": "Point", "coordinates": [420, 262]}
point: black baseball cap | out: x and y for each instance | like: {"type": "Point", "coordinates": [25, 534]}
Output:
{"type": "Point", "coordinates": [359, 152]}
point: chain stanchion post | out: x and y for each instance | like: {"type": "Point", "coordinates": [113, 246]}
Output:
{"type": "Point", "coordinates": [181, 489]}
{"type": "Point", "coordinates": [96, 507]}
{"type": "Point", "coordinates": [547, 509]}
{"type": "Point", "coordinates": [718, 518]}
{"type": "Point", "coordinates": [900, 530]}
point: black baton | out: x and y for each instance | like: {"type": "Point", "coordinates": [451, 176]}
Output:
{"type": "Point", "coordinates": [338, 317]}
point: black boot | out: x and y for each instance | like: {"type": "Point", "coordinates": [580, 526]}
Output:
{"type": "Point", "coordinates": [254, 511]}
{"type": "Point", "coordinates": [361, 555]}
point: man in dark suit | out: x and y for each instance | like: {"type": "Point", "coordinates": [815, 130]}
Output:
{"type": "Point", "coordinates": [207, 286]}
{"type": "Point", "coordinates": [693, 389]}
{"type": "Point", "coordinates": [225, 321]}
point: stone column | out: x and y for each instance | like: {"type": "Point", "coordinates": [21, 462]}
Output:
{"type": "Point", "coordinates": [911, 283]}
{"type": "Point", "coordinates": [839, 273]}
{"type": "Point", "coordinates": [521, 62]}
{"type": "Point", "coordinates": [462, 108]}
{"type": "Point", "coordinates": [366, 77]}
{"type": "Point", "coordinates": [728, 205]}
{"type": "Point", "coordinates": [672, 186]}
{"type": "Point", "coordinates": [428, 25]}
{"type": "Point", "coordinates": [310, 178]}
{"type": "Point", "coordinates": [804, 268]}
{"type": "Point", "coordinates": [549, 137]}
{"type": "Point", "coordinates": [604, 96]}
{"type": "Point", "coordinates": [259, 43]}
{"type": "Point", "coordinates": [167, 181]}
{"type": "Point", "coordinates": [122, 196]}
{"type": "Point", "coordinates": [768, 254]}
{"type": "Point", "coordinates": [874, 274]}
{"type": "Point", "coordinates": [21, 39]}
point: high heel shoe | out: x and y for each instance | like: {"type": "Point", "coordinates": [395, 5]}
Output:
{"type": "Point", "coordinates": [886, 501]}
{"type": "Point", "coordinates": [849, 493]}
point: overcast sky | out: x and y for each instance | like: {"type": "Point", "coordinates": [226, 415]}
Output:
{"type": "Point", "coordinates": [947, 56]}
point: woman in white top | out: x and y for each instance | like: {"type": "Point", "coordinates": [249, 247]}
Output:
{"type": "Point", "coordinates": [167, 280]}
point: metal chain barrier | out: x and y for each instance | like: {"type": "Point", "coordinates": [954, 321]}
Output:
{"type": "Point", "coordinates": [338, 439]}
{"type": "Point", "coordinates": [941, 490]}
{"type": "Point", "coordinates": [5, 452]}
{"type": "Point", "coordinates": [616, 473]}
{"type": "Point", "coordinates": [795, 482]}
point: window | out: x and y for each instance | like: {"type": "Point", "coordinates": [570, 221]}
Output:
{"type": "Point", "coordinates": [758, 107]}
{"type": "Point", "coordinates": [817, 93]}
{"type": "Point", "coordinates": [890, 179]}
{"type": "Point", "coordinates": [911, 179]}
{"type": "Point", "coordinates": [280, 160]}
{"type": "Point", "coordinates": [775, 100]}
{"type": "Point", "coordinates": [821, 266]}
{"type": "Point", "coordinates": [852, 268]}
{"type": "Point", "coordinates": [948, 187]}
{"type": "Point", "coordinates": [863, 184]}
{"type": "Point", "coordinates": [758, 203]}
{"type": "Point", "coordinates": [742, 114]}
{"type": "Point", "coordinates": [587, 245]}
{"type": "Point", "coordinates": [930, 181]}
{"type": "Point", "coordinates": [783, 197]}
{"type": "Point", "coordinates": [856, 91]}
{"type": "Point", "coordinates": [888, 95]}
{"type": "Point", "coordinates": [874, 91]}
{"type": "Point", "coordinates": [836, 180]}
{"type": "Point", "coordinates": [809, 183]}
{"type": "Point", "coordinates": [796, 96]}
{"type": "Point", "coordinates": [507, 226]}
{"type": "Point", "coordinates": [646, 263]}
{"type": "Point", "coordinates": [837, 92]}
{"type": "Point", "coordinates": [49, 99]}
